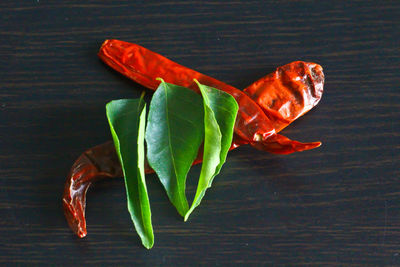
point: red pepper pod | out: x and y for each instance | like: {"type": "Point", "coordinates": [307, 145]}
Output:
{"type": "Point", "coordinates": [94, 164]}
{"type": "Point", "coordinates": [289, 92]}
{"type": "Point", "coordinates": [144, 66]}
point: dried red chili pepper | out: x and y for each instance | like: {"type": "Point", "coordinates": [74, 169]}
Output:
{"type": "Point", "coordinates": [144, 66]}
{"type": "Point", "coordinates": [94, 164]}
{"type": "Point", "coordinates": [289, 92]}
{"type": "Point", "coordinates": [101, 161]}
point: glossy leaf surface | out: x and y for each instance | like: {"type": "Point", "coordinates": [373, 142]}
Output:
{"type": "Point", "coordinates": [220, 110]}
{"type": "Point", "coordinates": [127, 118]}
{"type": "Point", "coordinates": [174, 133]}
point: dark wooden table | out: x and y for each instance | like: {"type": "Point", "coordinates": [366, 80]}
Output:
{"type": "Point", "coordinates": [335, 205]}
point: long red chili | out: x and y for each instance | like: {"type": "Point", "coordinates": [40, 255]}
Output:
{"type": "Point", "coordinates": [144, 66]}
{"type": "Point", "coordinates": [101, 161]}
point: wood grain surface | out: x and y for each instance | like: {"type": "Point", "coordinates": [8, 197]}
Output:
{"type": "Point", "coordinates": [336, 205]}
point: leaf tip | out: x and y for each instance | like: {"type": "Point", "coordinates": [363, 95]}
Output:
{"type": "Point", "coordinates": [187, 214]}
{"type": "Point", "coordinates": [148, 246]}
{"type": "Point", "coordinates": [148, 243]}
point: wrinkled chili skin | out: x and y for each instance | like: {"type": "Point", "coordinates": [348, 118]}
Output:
{"type": "Point", "coordinates": [102, 162]}
{"type": "Point", "coordinates": [94, 164]}
{"type": "Point", "coordinates": [144, 66]}
{"type": "Point", "coordinates": [284, 95]}
{"type": "Point", "coordinates": [289, 92]}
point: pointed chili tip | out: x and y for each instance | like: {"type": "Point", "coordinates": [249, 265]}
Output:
{"type": "Point", "coordinates": [298, 147]}
{"type": "Point", "coordinates": [280, 144]}
{"type": "Point", "coordinates": [76, 225]}
{"type": "Point", "coordinates": [308, 146]}
{"type": "Point", "coordinates": [81, 234]}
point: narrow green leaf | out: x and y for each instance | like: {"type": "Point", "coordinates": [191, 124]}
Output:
{"type": "Point", "coordinates": [225, 110]}
{"type": "Point", "coordinates": [127, 118]}
{"type": "Point", "coordinates": [174, 134]}
{"type": "Point", "coordinates": [220, 111]}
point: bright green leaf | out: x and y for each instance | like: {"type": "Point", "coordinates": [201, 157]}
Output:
{"type": "Point", "coordinates": [220, 111]}
{"type": "Point", "coordinates": [174, 133]}
{"type": "Point", "coordinates": [127, 118]}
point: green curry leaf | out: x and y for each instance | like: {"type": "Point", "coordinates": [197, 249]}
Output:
{"type": "Point", "coordinates": [174, 133]}
{"type": "Point", "coordinates": [220, 111]}
{"type": "Point", "coordinates": [127, 118]}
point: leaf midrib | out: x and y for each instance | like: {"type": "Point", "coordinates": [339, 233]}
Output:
{"type": "Point", "coordinates": [139, 112]}
{"type": "Point", "coordinates": [170, 147]}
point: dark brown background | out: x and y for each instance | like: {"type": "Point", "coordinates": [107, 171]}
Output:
{"type": "Point", "coordinates": [337, 205]}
